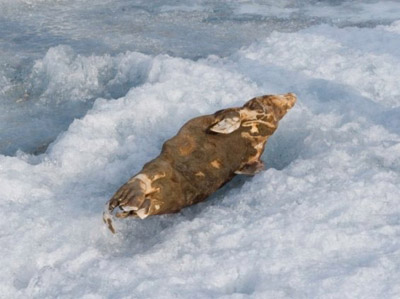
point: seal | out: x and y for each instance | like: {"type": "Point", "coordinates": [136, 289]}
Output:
{"type": "Point", "coordinates": [207, 152]}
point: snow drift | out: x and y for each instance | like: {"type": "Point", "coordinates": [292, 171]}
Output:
{"type": "Point", "coordinates": [323, 221]}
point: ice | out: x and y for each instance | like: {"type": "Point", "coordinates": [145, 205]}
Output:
{"type": "Point", "coordinates": [31, 31]}
{"type": "Point", "coordinates": [67, 83]}
{"type": "Point", "coordinates": [367, 69]}
{"type": "Point", "coordinates": [322, 221]}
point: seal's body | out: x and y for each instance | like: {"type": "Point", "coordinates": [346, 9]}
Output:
{"type": "Point", "coordinates": [207, 152]}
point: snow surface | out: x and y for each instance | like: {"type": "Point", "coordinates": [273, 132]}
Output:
{"type": "Point", "coordinates": [323, 221]}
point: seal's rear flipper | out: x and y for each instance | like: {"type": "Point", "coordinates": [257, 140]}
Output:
{"type": "Point", "coordinates": [251, 168]}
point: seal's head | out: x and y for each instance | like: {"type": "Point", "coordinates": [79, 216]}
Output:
{"type": "Point", "coordinates": [262, 112]}
{"type": "Point", "coordinates": [278, 105]}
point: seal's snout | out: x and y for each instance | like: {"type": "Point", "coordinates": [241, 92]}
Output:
{"type": "Point", "coordinates": [280, 104]}
{"type": "Point", "coordinates": [291, 99]}
{"type": "Point", "coordinates": [282, 101]}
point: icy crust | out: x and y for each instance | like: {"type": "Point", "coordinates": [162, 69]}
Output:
{"type": "Point", "coordinates": [63, 75]}
{"type": "Point", "coordinates": [395, 27]}
{"type": "Point", "coordinates": [321, 222]}
{"type": "Point", "coordinates": [358, 58]}
{"type": "Point", "coordinates": [67, 83]}
{"type": "Point", "coordinates": [101, 31]}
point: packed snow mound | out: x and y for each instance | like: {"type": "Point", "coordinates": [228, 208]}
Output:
{"type": "Point", "coordinates": [64, 76]}
{"type": "Point", "coordinates": [321, 222]}
{"type": "Point", "coordinates": [65, 82]}
{"type": "Point", "coordinates": [346, 58]}
{"type": "Point", "coordinates": [33, 83]}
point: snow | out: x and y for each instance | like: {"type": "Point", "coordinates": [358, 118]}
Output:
{"type": "Point", "coordinates": [322, 221]}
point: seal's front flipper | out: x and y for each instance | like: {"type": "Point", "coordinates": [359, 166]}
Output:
{"type": "Point", "coordinates": [251, 168]}
{"type": "Point", "coordinates": [229, 123]}
{"type": "Point", "coordinates": [107, 217]}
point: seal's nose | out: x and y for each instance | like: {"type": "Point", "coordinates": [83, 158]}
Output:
{"type": "Point", "coordinates": [281, 103]}
{"type": "Point", "coordinates": [291, 99]}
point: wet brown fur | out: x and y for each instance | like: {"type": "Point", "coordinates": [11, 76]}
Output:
{"type": "Point", "coordinates": [207, 152]}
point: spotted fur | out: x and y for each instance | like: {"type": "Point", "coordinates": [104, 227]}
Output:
{"type": "Point", "coordinates": [207, 152]}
